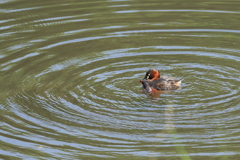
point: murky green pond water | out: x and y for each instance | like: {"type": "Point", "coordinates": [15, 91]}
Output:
{"type": "Point", "coordinates": [70, 71]}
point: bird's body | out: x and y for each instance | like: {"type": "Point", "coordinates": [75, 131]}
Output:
{"type": "Point", "coordinates": [152, 82]}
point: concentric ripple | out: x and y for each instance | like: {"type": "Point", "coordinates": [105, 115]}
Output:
{"type": "Point", "coordinates": [70, 81]}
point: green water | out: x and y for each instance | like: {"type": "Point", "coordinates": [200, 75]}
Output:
{"type": "Point", "coordinates": [70, 71]}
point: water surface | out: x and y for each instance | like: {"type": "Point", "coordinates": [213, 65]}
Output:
{"type": "Point", "coordinates": [70, 74]}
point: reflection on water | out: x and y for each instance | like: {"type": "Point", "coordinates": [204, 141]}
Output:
{"type": "Point", "coordinates": [70, 76]}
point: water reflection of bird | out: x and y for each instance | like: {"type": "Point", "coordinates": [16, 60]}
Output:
{"type": "Point", "coordinates": [153, 82]}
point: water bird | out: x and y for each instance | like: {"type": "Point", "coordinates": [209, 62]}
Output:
{"type": "Point", "coordinates": [153, 82]}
